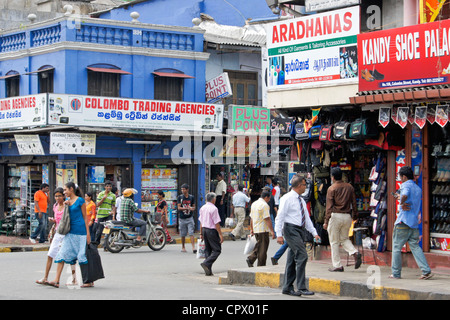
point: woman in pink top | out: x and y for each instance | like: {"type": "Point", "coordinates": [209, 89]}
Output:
{"type": "Point", "coordinates": [58, 210]}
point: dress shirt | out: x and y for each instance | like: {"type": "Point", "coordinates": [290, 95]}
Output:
{"type": "Point", "coordinates": [341, 199]}
{"type": "Point", "coordinates": [290, 212]}
{"type": "Point", "coordinates": [414, 193]}
{"type": "Point", "coordinates": [276, 192]}
{"type": "Point", "coordinates": [260, 210]}
{"type": "Point", "coordinates": [209, 216]}
{"type": "Point", "coordinates": [240, 199]}
{"type": "Point", "coordinates": [221, 187]}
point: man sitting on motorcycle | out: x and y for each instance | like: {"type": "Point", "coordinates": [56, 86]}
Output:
{"type": "Point", "coordinates": [128, 208]}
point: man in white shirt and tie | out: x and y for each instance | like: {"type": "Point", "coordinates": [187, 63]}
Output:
{"type": "Point", "coordinates": [291, 224]}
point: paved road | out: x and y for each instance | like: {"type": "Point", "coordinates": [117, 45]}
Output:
{"type": "Point", "coordinates": [139, 274]}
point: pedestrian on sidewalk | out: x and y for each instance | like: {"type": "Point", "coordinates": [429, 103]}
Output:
{"type": "Point", "coordinates": [210, 232]}
{"type": "Point", "coordinates": [58, 210]}
{"type": "Point", "coordinates": [260, 226]}
{"type": "Point", "coordinates": [41, 201]}
{"type": "Point", "coordinates": [162, 208]}
{"type": "Point", "coordinates": [406, 226]}
{"type": "Point", "coordinates": [106, 204]}
{"type": "Point", "coordinates": [239, 201]}
{"type": "Point", "coordinates": [221, 191]}
{"type": "Point", "coordinates": [341, 209]}
{"type": "Point", "coordinates": [91, 211]}
{"type": "Point", "coordinates": [186, 209]}
{"type": "Point", "coordinates": [293, 222]}
{"type": "Point", "coordinates": [73, 247]}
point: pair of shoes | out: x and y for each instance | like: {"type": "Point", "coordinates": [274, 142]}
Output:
{"type": "Point", "coordinates": [250, 264]}
{"type": "Point", "coordinates": [365, 74]}
{"type": "Point", "coordinates": [292, 292]}
{"type": "Point", "coordinates": [33, 241]}
{"type": "Point", "coordinates": [207, 270]}
{"type": "Point", "coordinates": [426, 276]}
{"type": "Point", "coordinates": [232, 237]}
{"type": "Point", "coordinates": [358, 260]}
{"type": "Point", "coordinates": [340, 269]}
{"type": "Point", "coordinates": [274, 261]}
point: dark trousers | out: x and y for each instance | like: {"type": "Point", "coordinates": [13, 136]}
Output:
{"type": "Point", "coordinates": [221, 208]}
{"type": "Point", "coordinates": [99, 229]}
{"type": "Point", "coordinates": [41, 230]}
{"type": "Point", "coordinates": [296, 259]}
{"type": "Point", "coordinates": [213, 247]}
{"type": "Point", "coordinates": [260, 250]}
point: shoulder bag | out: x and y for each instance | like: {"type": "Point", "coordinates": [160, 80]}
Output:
{"type": "Point", "coordinates": [64, 224]}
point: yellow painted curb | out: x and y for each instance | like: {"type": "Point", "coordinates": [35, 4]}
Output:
{"type": "Point", "coordinates": [383, 293]}
{"type": "Point", "coordinates": [263, 279]}
{"type": "Point", "coordinates": [5, 250]}
{"type": "Point", "coordinates": [325, 286]}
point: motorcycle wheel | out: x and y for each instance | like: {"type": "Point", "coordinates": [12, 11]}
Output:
{"type": "Point", "coordinates": [157, 240]}
{"type": "Point", "coordinates": [111, 238]}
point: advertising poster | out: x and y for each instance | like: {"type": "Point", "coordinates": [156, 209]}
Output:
{"type": "Point", "coordinates": [29, 144]}
{"type": "Point", "coordinates": [442, 115]}
{"type": "Point", "coordinates": [417, 55]}
{"type": "Point", "coordinates": [72, 143]}
{"type": "Point", "coordinates": [420, 116]}
{"type": "Point", "coordinates": [90, 111]}
{"type": "Point", "coordinates": [247, 119]}
{"type": "Point", "coordinates": [402, 116]}
{"type": "Point", "coordinates": [66, 171]}
{"type": "Point", "coordinates": [384, 116]}
{"type": "Point", "coordinates": [26, 111]}
{"type": "Point", "coordinates": [314, 50]}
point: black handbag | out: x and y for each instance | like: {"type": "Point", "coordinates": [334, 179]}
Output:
{"type": "Point", "coordinates": [92, 270]}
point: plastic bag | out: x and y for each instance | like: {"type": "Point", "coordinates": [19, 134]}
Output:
{"type": "Point", "coordinates": [250, 245]}
{"type": "Point", "coordinates": [93, 270]}
{"type": "Point", "coordinates": [230, 222]}
{"type": "Point", "coordinates": [200, 249]}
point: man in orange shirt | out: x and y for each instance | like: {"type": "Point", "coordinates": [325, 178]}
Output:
{"type": "Point", "coordinates": [41, 201]}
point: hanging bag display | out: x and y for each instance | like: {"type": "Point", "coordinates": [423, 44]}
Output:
{"type": "Point", "coordinates": [299, 132]}
{"type": "Point", "coordinates": [362, 129]}
{"type": "Point", "coordinates": [64, 224]}
{"type": "Point", "coordinates": [326, 133]}
{"type": "Point", "coordinates": [314, 132]}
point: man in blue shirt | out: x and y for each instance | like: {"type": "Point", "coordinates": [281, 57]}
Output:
{"type": "Point", "coordinates": [406, 227]}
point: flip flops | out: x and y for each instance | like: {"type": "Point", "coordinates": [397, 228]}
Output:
{"type": "Point", "coordinates": [53, 284]}
{"type": "Point", "coordinates": [42, 281]}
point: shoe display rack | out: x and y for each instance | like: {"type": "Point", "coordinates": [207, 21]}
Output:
{"type": "Point", "coordinates": [440, 199]}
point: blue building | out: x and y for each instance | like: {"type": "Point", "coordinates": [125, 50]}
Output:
{"type": "Point", "coordinates": [53, 73]}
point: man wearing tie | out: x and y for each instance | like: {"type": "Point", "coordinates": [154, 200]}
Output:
{"type": "Point", "coordinates": [293, 222]}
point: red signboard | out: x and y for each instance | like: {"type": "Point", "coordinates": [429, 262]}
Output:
{"type": "Point", "coordinates": [411, 56]}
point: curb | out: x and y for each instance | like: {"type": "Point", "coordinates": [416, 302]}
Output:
{"type": "Point", "coordinates": [332, 287]}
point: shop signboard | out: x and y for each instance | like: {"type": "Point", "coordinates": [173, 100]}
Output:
{"type": "Point", "coordinates": [411, 56]}
{"type": "Point", "coordinates": [25, 111]}
{"type": "Point", "coordinates": [91, 111]}
{"type": "Point", "coordinates": [218, 88]}
{"type": "Point", "coordinates": [72, 143]}
{"type": "Point", "coordinates": [248, 119]}
{"type": "Point", "coordinates": [314, 50]}
{"type": "Point", "coordinates": [282, 124]}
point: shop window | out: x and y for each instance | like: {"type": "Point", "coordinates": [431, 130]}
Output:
{"type": "Point", "coordinates": [45, 80]}
{"type": "Point", "coordinates": [245, 88]}
{"type": "Point", "coordinates": [13, 86]}
{"type": "Point", "coordinates": [104, 84]}
{"type": "Point", "coordinates": [169, 88]}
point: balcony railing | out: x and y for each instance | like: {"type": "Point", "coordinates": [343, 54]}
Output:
{"type": "Point", "coordinates": [103, 32]}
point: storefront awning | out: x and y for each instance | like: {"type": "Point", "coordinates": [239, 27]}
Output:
{"type": "Point", "coordinates": [108, 70]}
{"type": "Point", "coordinates": [173, 75]}
{"type": "Point", "coordinates": [402, 96]}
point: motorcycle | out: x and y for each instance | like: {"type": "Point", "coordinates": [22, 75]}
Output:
{"type": "Point", "coordinates": [119, 235]}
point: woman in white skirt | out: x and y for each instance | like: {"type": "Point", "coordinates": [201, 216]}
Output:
{"type": "Point", "coordinates": [58, 210]}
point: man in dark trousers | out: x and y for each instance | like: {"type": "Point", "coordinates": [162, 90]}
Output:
{"type": "Point", "coordinates": [293, 222]}
{"type": "Point", "coordinates": [210, 232]}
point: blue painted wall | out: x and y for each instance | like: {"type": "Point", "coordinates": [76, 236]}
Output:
{"type": "Point", "coordinates": [181, 12]}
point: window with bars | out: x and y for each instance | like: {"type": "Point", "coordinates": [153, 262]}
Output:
{"type": "Point", "coordinates": [103, 84]}
{"type": "Point", "coordinates": [245, 88]}
{"type": "Point", "coordinates": [13, 86]}
{"type": "Point", "coordinates": [168, 88]}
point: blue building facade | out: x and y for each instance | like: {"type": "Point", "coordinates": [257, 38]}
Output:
{"type": "Point", "coordinates": [85, 57]}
